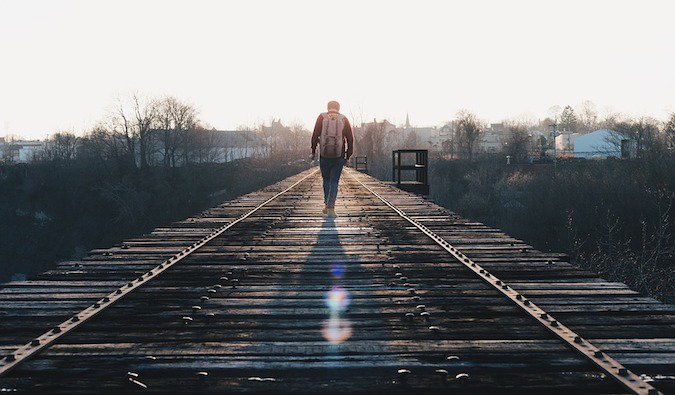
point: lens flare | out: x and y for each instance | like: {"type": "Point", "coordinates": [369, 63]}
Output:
{"type": "Point", "coordinates": [337, 299]}
{"type": "Point", "coordinates": [337, 330]}
{"type": "Point", "coordinates": [337, 270]}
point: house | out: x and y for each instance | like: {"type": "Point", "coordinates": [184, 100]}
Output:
{"type": "Point", "coordinates": [564, 143]}
{"type": "Point", "coordinates": [427, 137]}
{"type": "Point", "coordinates": [491, 140]}
{"type": "Point", "coordinates": [20, 151]}
{"type": "Point", "coordinates": [230, 145]}
{"type": "Point", "coordinates": [602, 144]}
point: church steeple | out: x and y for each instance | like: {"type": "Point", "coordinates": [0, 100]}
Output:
{"type": "Point", "coordinates": [407, 121]}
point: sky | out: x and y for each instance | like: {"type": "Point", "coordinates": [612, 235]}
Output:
{"type": "Point", "coordinates": [63, 63]}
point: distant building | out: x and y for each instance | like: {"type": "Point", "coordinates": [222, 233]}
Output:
{"type": "Point", "coordinates": [21, 151]}
{"type": "Point", "coordinates": [237, 144]}
{"type": "Point", "coordinates": [492, 139]}
{"type": "Point", "coordinates": [602, 144]}
{"type": "Point", "coordinates": [428, 137]}
{"type": "Point", "coordinates": [564, 143]}
{"type": "Point", "coordinates": [213, 146]}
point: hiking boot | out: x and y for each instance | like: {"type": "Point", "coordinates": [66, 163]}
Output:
{"type": "Point", "coordinates": [331, 213]}
{"type": "Point", "coordinates": [325, 209]}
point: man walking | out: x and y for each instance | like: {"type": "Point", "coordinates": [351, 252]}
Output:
{"type": "Point", "coordinates": [331, 131]}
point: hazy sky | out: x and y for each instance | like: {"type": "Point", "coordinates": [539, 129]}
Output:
{"type": "Point", "coordinates": [62, 63]}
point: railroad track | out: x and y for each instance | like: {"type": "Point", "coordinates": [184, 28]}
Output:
{"type": "Point", "coordinates": [264, 294]}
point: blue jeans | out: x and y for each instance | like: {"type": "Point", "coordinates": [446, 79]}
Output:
{"type": "Point", "coordinates": [331, 169]}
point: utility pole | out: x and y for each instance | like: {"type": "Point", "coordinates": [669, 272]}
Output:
{"type": "Point", "coordinates": [554, 133]}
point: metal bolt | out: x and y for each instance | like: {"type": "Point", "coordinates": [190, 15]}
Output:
{"type": "Point", "coordinates": [598, 354]}
{"type": "Point", "coordinates": [132, 374]}
{"type": "Point", "coordinates": [403, 278]}
{"type": "Point", "coordinates": [577, 339]}
{"type": "Point", "coordinates": [35, 342]}
{"type": "Point", "coordinates": [526, 302]}
{"type": "Point", "coordinates": [425, 315]}
{"type": "Point", "coordinates": [434, 329]}
{"type": "Point", "coordinates": [623, 371]}
{"type": "Point", "coordinates": [195, 309]}
{"type": "Point", "coordinates": [554, 323]}
{"type": "Point", "coordinates": [202, 374]}
{"type": "Point", "coordinates": [452, 358]}
{"type": "Point", "coordinates": [10, 357]}
{"type": "Point", "coordinates": [204, 298]}
{"type": "Point", "coordinates": [421, 307]}
{"type": "Point", "coordinates": [442, 374]}
{"type": "Point", "coordinates": [543, 315]}
{"type": "Point", "coordinates": [462, 377]}
{"type": "Point", "coordinates": [187, 320]}
{"type": "Point", "coordinates": [409, 316]}
{"type": "Point", "coordinates": [412, 291]}
{"type": "Point", "coordinates": [137, 383]}
{"type": "Point", "coordinates": [57, 329]}
{"type": "Point", "coordinates": [403, 374]}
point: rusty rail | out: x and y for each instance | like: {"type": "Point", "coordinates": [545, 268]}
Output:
{"type": "Point", "coordinates": [606, 363]}
{"type": "Point", "coordinates": [43, 341]}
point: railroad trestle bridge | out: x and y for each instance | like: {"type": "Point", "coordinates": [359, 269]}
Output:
{"type": "Point", "coordinates": [265, 294]}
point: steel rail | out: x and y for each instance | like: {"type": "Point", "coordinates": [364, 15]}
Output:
{"type": "Point", "coordinates": [607, 364]}
{"type": "Point", "coordinates": [48, 338]}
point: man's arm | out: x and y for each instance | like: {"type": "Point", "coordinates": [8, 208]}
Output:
{"type": "Point", "coordinates": [349, 136]}
{"type": "Point", "coordinates": [316, 134]}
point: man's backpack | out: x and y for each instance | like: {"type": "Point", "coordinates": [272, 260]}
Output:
{"type": "Point", "coordinates": [331, 135]}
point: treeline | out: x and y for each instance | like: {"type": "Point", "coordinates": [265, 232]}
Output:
{"type": "Point", "coordinates": [148, 162]}
{"type": "Point", "coordinates": [521, 139]}
{"type": "Point", "coordinates": [614, 217]}
{"type": "Point", "coordinates": [57, 210]}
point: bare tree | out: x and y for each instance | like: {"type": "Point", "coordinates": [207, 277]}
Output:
{"type": "Point", "coordinates": [669, 131]}
{"type": "Point", "coordinates": [61, 146]}
{"type": "Point", "coordinates": [645, 133]}
{"type": "Point", "coordinates": [120, 123]}
{"type": "Point", "coordinates": [145, 115]}
{"type": "Point", "coordinates": [412, 140]}
{"type": "Point", "coordinates": [468, 131]}
{"type": "Point", "coordinates": [518, 143]}
{"type": "Point", "coordinates": [174, 121]}
{"type": "Point", "coordinates": [588, 116]}
{"type": "Point", "coordinates": [8, 149]}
